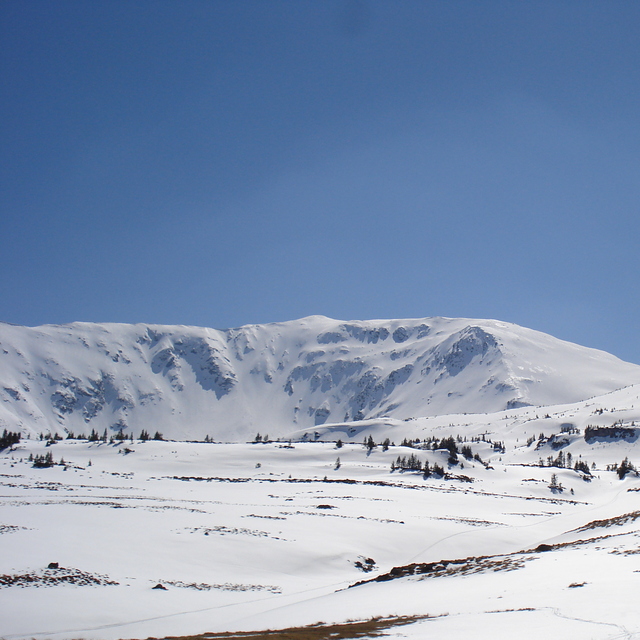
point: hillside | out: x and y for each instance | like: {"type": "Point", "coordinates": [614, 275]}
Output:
{"type": "Point", "coordinates": [191, 382]}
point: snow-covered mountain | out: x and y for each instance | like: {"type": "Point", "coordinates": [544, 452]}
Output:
{"type": "Point", "coordinates": [188, 382]}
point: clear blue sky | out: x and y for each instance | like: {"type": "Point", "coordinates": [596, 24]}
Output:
{"type": "Point", "coordinates": [220, 163]}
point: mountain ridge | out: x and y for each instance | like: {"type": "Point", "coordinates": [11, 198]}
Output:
{"type": "Point", "coordinates": [188, 382]}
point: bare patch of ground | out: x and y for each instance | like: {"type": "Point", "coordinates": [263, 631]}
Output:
{"type": "Point", "coordinates": [464, 566]}
{"type": "Point", "coordinates": [346, 631]}
{"type": "Point", "coordinates": [617, 520]}
{"type": "Point", "coordinates": [227, 586]}
{"type": "Point", "coordinates": [10, 528]}
{"type": "Point", "coordinates": [54, 577]}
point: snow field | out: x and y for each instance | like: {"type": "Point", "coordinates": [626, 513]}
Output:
{"type": "Point", "coordinates": [241, 546]}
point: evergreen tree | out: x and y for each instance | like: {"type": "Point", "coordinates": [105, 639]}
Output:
{"type": "Point", "coordinates": [624, 468]}
{"type": "Point", "coordinates": [583, 466]}
{"type": "Point", "coordinates": [8, 439]}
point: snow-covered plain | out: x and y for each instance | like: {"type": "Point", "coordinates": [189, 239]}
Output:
{"type": "Point", "coordinates": [250, 536]}
{"type": "Point", "coordinates": [254, 536]}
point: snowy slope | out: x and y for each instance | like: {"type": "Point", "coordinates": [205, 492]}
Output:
{"type": "Point", "coordinates": [256, 536]}
{"type": "Point", "coordinates": [188, 382]}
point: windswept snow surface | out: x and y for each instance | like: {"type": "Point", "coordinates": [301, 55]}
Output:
{"type": "Point", "coordinates": [188, 382]}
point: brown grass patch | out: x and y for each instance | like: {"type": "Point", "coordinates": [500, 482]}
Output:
{"type": "Point", "coordinates": [609, 522]}
{"type": "Point", "coordinates": [320, 631]}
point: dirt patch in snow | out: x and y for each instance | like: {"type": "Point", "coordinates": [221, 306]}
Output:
{"type": "Point", "coordinates": [609, 522]}
{"type": "Point", "coordinates": [464, 566]}
{"type": "Point", "coordinates": [54, 577]}
{"type": "Point", "coordinates": [227, 586]}
{"type": "Point", "coordinates": [369, 629]}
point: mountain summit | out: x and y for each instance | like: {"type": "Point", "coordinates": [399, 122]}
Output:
{"type": "Point", "coordinates": [188, 382]}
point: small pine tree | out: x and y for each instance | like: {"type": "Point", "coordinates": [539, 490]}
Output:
{"type": "Point", "coordinates": [337, 463]}
{"type": "Point", "coordinates": [339, 444]}
{"type": "Point", "coordinates": [583, 466]}
{"type": "Point", "coordinates": [625, 467]}
{"type": "Point", "coordinates": [555, 485]}
{"type": "Point", "coordinates": [157, 436]}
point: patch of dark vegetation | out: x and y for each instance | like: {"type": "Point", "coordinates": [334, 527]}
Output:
{"type": "Point", "coordinates": [52, 577]}
{"type": "Point", "coordinates": [346, 631]}
{"type": "Point", "coordinates": [10, 528]}
{"type": "Point", "coordinates": [365, 564]}
{"type": "Point", "coordinates": [8, 439]}
{"type": "Point", "coordinates": [626, 552]}
{"type": "Point", "coordinates": [43, 462]}
{"type": "Point", "coordinates": [227, 586]}
{"type": "Point", "coordinates": [464, 566]}
{"type": "Point", "coordinates": [607, 434]}
{"type": "Point", "coordinates": [609, 522]}
{"type": "Point", "coordinates": [222, 530]}
{"type": "Point", "coordinates": [467, 566]}
{"type": "Point", "coordinates": [374, 483]}
{"type": "Point", "coordinates": [337, 515]}
{"type": "Point", "coordinates": [580, 542]}
{"type": "Point", "coordinates": [472, 521]}
{"type": "Point", "coordinates": [622, 469]}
